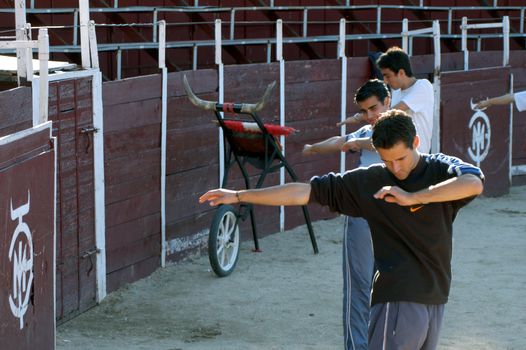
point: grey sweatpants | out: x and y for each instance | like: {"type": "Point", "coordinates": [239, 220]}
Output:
{"type": "Point", "coordinates": [358, 266]}
{"type": "Point", "coordinates": [405, 326]}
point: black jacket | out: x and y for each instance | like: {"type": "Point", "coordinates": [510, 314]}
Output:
{"type": "Point", "coordinates": [412, 245]}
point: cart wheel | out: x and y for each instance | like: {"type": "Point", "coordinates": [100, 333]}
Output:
{"type": "Point", "coordinates": [223, 241]}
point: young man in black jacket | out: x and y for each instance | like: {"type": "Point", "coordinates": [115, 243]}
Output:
{"type": "Point", "coordinates": [410, 202]}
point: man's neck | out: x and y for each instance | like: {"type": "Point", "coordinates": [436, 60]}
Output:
{"type": "Point", "coordinates": [408, 83]}
{"type": "Point", "coordinates": [416, 159]}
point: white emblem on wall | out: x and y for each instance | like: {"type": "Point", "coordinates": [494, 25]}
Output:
{"type": "Point", "coordinates": [480, 135]}
{"type": "Point", "coordinates": [21, 255]}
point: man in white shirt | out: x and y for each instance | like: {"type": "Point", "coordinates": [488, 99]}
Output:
{"type": "Point", "coordinates": [412, 95]}
{"type": "Point", "coordinates": [519, 98]}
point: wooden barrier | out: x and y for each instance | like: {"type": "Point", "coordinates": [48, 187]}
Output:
{"type": "Point", "coordinates": [132, 122]}
{"type": "Point", "coordinates": [191, 164]}
{"type": "Point", "coordinates": [27, 245]}
{"type": "Point", "coordinates": [132, 119]}
{"type": "Point", "coordinates": [70, 109]}
{"type": "Point", "coordinates": [479, 137]}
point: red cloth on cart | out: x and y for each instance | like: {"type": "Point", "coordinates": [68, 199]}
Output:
{"type": "Point", "coordinates": [248, 137]}
{"type": "Point", "coordinates": [253, 128]}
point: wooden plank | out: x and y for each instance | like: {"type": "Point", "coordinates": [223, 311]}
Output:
{"type": "Point", "coordinates": [66, 95]}
{"type": "Point", "coordinates": [133, 252]}
{"type": "Point", "coordinates": [133, 208]}
{"type": "Point", "coordinates": [25, 147]}
{"type": "Point", "coordinates": [127, 168]}
{"type": "Point", "coordinates": [83, 97]}
{"type": "Point", "coordinates": [68, 234]}
{"type": "Point", "coordinates": [131, 273]}
{"type": "Point", "coordinates": [485, 59]}
{"type": "Point", "coordinates": [452, 61]}
{"type": "Point", "coordinates": [52, 102]}
{"type": "Point", "coordinates": [187, 115]}
{"type": "Point", "coordinates": [132, 115]}
{"type": "Point", "coordinates": [69, 287]}
{"type": "Point", "coordinates": [85, 231]}
{"type": "Point", "coordinates": [190, 183]}
{"type": "Point", "coordinates": [137, 89]}
{"type": "Point", "coordinates": [201, 81]}
{"type": "Point", "coordinates": [87, 290]}
{"type": "Point", "coordinates": [131, 141]}
{"type": "Point", "coordinates": [16, 127]}
{"type": "Point", "coordinates": [305, 102]}
{"type": "Point", "coordinates": [186, 226]}
{"type": "Point", "coordinates": [127, 188]}
{"type": "Point", "coordinates": [191, 148]}
{"type": "Point", "coordinates": [15, 110]}
{"type": "Point", "coordinates": [182, 206]}
{"type": "Point", "coordinates": [134, 230]}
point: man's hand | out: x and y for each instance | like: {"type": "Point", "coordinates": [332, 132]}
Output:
{"type": "Point", "coordinates": [394, 194]}
{"type": "Point", "coordinates": [219, 196]}
{"type": "Point", "coordinates": [482, 105]}
{"type": "Point", "coordinates": [351, 145]}
{"type": "Point", "coordinates": [355, 119]}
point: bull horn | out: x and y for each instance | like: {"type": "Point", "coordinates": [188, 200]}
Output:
{"type": "Point", "coordinates": [255, 107]}
{"type": "Point", "coordinates": [211, 105]}
{"type": "Point", "coordinates": [208, 105]}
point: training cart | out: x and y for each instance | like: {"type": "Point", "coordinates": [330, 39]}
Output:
{"type": "Point", "coordinates": [247, 141]}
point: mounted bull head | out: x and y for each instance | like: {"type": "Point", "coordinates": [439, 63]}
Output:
{"type": "Point", "coordinates": [238, 108]}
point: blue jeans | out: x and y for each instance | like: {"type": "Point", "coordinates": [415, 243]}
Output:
{"type": "Point", "coordinates": [358, 267]}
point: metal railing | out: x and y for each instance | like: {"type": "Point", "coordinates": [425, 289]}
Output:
{"type": "Point", "coordinates": [303, 37]}
{"type": "Point", "coordinates": [231, 12]}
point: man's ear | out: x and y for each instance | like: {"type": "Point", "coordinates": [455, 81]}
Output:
{"type": "Point", "coordinates": [416, 142]}
{"type": "Point", "coordinates": [387, 102]}
{"type": "Point", "coordinates": [401, 72]}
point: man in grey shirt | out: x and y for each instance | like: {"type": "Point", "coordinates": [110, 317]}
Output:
{"type": "Point", "coordinates": [358, 262]}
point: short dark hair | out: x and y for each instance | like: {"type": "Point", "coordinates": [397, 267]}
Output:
{"type": "Point", "coordinates": [392, 127]}
{"type": "Point", "coordinates": [395, 59]}
{"type": "Point", "coordinates": [373, 87]}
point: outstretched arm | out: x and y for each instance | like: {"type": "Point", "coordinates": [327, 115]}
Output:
{"type": "Point", "coordinates": [294, 193]}
{"type": "Point", "coordinates": [354, 119]}
{"type": "Point", "coordinates": [499, 100]}
{"type": "Point", "coordinates": [331, 145]}
{"type": "Point", "coordinates": [356, 144]}
{"type": "Point", "coordinates": [464, 186]}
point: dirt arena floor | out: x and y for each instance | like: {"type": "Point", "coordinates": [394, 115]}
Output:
{"type": "Point", "coordinates": [288, 298]}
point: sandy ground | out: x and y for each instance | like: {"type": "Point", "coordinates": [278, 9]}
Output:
{"type": "Point", "coordinates": [288, 298]}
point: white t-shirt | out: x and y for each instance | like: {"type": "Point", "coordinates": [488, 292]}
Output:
{"type": "Point", "coordinates": [520, 100]}
{"type": "Point", "coordinates": [420, 99]}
